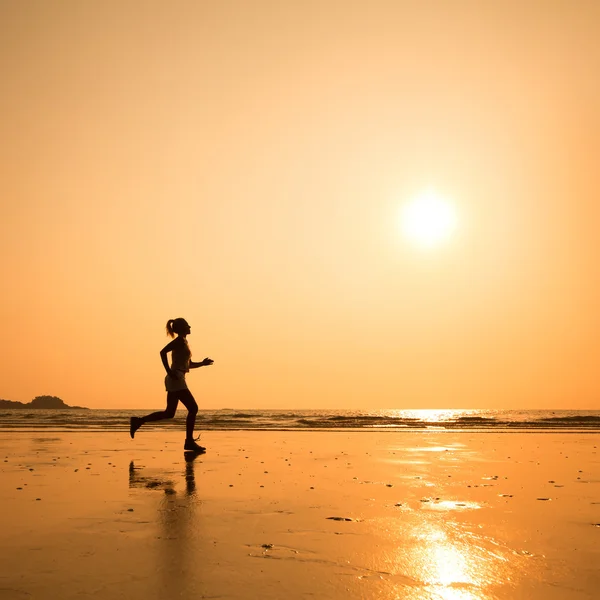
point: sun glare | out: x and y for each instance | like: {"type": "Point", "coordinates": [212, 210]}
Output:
{"type": "Point", "coordinates": [428, 220]}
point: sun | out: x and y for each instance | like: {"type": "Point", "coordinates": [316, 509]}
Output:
{"type": "Point", "coordinates": [428, 220]}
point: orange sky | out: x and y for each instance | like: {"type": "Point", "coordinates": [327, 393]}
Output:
{"type": "Point", "coordinates": [242, 164]}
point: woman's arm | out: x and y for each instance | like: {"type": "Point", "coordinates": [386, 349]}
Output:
{"type": "Point", "coordinates": [163, 356]}
{"type": "Point", "coordinates": [205, 363]}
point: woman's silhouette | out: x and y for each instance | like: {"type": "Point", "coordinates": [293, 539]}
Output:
{"type": "Point", "coordinates": [175, 383]}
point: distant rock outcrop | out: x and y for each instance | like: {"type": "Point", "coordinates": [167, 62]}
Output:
{"type": "Point", "coordinates": [40, 402]}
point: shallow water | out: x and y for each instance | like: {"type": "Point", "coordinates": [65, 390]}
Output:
{"type": "Point", "coordinates": [380, 419]}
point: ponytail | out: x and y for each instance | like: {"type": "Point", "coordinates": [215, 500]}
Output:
{"type": "Point", "coordinates": [175, 326]}
{"type": "Point", "coordinates": [169, 328]}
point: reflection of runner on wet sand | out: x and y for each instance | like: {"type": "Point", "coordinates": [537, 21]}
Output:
{"type": "Point", "coordinates": [139, 478]}
{"type": "Point", "coordinates": [177, 528]}
{"type": "Point", "coordinates": [190, 479]}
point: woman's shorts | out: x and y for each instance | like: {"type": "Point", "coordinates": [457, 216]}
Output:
{"type": "Point", "coordinates": [177, 383]}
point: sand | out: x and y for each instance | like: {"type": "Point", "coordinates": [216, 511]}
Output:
{"type": "Point", "coordinates": [285, 515]}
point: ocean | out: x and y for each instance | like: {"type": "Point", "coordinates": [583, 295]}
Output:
{"type": "Point", "coordinates": [321, 420]}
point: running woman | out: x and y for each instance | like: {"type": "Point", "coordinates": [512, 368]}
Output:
{"type": "Point", "coordinates": [175, 384]}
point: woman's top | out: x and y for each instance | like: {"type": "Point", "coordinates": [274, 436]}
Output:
{"type": "Point", "coordinates": [180, 357]}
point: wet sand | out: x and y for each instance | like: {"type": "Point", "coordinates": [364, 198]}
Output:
{"type": "Point", "coordinates": [449, 516]}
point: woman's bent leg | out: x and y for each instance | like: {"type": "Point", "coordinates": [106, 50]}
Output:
{"type": "Point", "coordinates": [172, 400]}
{"type": "Point", "coordinates": [168, 413]}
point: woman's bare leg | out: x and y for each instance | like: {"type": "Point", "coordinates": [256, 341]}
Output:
{"type": "Point", "coordinates": [190, 403]}
{"type": "Point", "coordinates": [172, 400]}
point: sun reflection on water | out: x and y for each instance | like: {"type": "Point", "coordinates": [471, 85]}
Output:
{"type": "Point", "coordinates": [445, 563]}
{"type": "Point", "coordinates": [433, 416]}
{"type": "Point", "coordinates": [453, 566]}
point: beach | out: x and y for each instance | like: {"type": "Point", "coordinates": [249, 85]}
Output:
{"type": "Point", "coordinates": [300, 514]}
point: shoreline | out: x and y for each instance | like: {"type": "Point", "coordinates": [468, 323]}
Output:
{"type": "Point", "coordinates": [180, 426]}
{"type": "Point", "coordinates": [346, 420]}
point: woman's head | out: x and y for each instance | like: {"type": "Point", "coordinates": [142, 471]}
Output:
{"type": "Point", "coordinates": [178, 326]}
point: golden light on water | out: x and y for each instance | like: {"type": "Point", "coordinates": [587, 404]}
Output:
{"type": "Point", "coordinates": [449, 568]}
{"type": "Point", "coordinates": [442, 549]}
{"type": "Point", "coordinates": [432, 416]}
{"type": "Point", "coordinates": [454, 568]}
